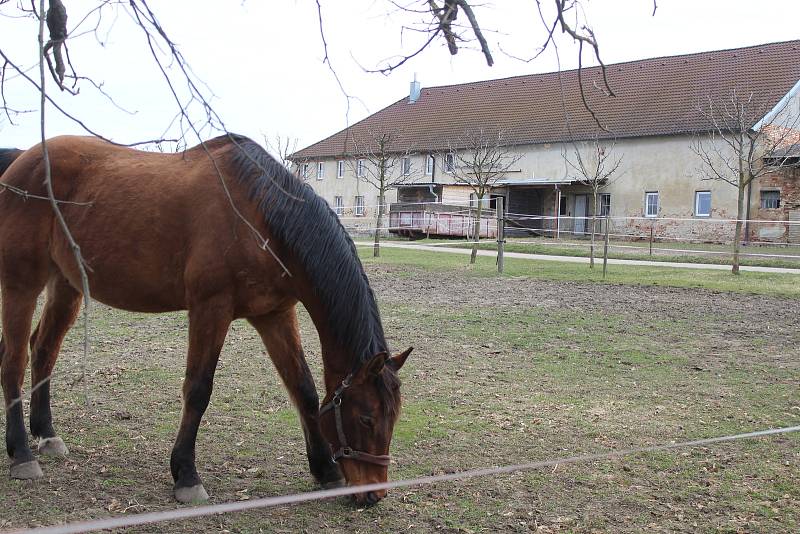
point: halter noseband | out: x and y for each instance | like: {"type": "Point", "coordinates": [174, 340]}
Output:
{"type": "Point", "coordinates": [346, 451]}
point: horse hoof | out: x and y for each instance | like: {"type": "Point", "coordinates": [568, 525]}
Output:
{"type": "Point", "coordinates": [192, 494]}
{"type": "Point", "coordinates": [333, 484]}
{"type": "Point", "coordinates": [53, 447]}
{"type": "Point", "coordinates": [26, 471]}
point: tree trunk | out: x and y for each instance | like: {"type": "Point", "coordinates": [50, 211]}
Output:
{"type": "Point", "coordinates": [594, 223]}
{"type": "Point", "coordinates": [376, 248]}
{"type": "Point", "coordinates": [476, 231]}
{"type": "Point", "coordinates": [737, 238]}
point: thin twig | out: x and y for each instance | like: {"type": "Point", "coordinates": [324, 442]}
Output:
{"type": "Point", "coordinates": [26, 195]}
{"type": "Point", "coordinates": [48, 182]}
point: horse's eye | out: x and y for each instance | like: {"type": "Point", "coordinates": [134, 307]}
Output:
{"type": "Point", "coordinates": [366, 421]}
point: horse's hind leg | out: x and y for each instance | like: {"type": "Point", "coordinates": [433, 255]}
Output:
{"type": "Point", "coordinates": [281, 335]}
{"type": "Point", "coordinates": [60, 310]}
{"type": "Point", "coordinates": [19, 303]}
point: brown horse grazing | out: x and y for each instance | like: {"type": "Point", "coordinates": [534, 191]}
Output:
{"type": "Point", "coordinates": [158, 233]}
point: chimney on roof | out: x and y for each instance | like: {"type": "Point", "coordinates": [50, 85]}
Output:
{"type": "Point", "coordinates": [413, 94]}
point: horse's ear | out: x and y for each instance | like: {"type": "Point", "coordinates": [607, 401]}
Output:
{"type": "Point", "coordinates": [374, 366]}
{"type": "Point", "coordinates": [397, 361]}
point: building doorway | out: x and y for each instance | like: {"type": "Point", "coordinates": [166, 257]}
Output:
{"type": "Point", "coordinates": [581, 212]}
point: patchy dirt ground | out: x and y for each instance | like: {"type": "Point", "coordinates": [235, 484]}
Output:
{"type": "Point", "coordinates": [505, 370]}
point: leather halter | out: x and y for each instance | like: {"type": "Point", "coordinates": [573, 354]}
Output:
{"type": "Point", "coordinates": [345, 451]}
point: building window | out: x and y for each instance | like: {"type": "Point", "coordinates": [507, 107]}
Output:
{"type": "Point", "coordinates": [429, 165]}
{"type": "Point", "coordinates": [320, 170]}
{"type": "Point", "coordinates": [562, 205]}
{"type": "Point", "coordinates": [473, 201]}
{"type": "Point", "coordinates": [651, 204]}
{"type": "Point", "coordinates": [304, 171]}
{"type": "Point", "coordinates": [605, 204]}
{"type": "Point", "coordinates": [359, 205]}
{"type": "Point", "coordinates": [405, 166]}
{"type": "Point", "coordinates": [770, 200]}
{"type": "Point", "coordinates": [450, 163]}
{"type": "Point", "coordinates": [361, 169]}
{"type": "Point", "coordinates": [702, 204]}
{"type": "Point", "coordinates": [338, 205]}
{"type": "Point", "coordinates": [340, 169]}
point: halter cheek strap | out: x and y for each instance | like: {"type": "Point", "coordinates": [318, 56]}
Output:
{"type": "Point", "coordinates": [345, 451]}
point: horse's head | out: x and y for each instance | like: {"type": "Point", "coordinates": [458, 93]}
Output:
{"type": "Point", "coordinates": [358, 420]}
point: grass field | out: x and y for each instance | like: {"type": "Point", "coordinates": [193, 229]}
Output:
{"type": "Point", "coordinates": [781, 285]}
{"type": "Point", "coordinates": [544, 362]}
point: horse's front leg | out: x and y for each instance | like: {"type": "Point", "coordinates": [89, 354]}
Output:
{"type": "Point", "coordinates": [208, 325]}
{"type": "Point", "coordinates": [281, 335]}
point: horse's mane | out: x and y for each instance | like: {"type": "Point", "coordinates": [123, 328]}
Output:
{"type": "Point", "coordinates": [7, 157]}
{"type": "Point", "coordinates": [312, 232]}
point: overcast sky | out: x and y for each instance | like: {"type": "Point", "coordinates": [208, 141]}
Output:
{"type": "Point", "coordinates": [262, 60]}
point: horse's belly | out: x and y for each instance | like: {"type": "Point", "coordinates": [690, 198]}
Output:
{"type": "Point", "coordinates": [137, 299]}
{"type": "Point", "coordinates": [128, 291]}
{"type": "Point", "coordinates": [128, 278]}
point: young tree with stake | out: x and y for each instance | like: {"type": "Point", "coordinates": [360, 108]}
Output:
{"type": "Point", "coordinates": [594, 167]}
{"type": "Point", "coordinates": [384, 167]}
{"type": "Point", "coordinates": [482, 160]}
{"type": "Point", "coordinates": [743, 133]}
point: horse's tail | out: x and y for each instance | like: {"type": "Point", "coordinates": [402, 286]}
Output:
{"type": "Point", "coordinates": [7, 157]}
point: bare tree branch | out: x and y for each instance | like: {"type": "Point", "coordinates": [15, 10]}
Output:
{"type": "Point", "coordinates": [442, 23]}
{"type": "Point", "coordinates": [48, 182]}
{"type": "Point", "coordinates": [57, 26]}
{"type": "Point", "coordinates": [282, 148]}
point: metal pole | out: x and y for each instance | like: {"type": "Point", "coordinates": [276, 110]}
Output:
{"type": "Point", "coordinates": [605, 249]}
{"type": "Point", "coordinates": [501, 237]}
{"type": "Point", "coordinates": [651, 238]}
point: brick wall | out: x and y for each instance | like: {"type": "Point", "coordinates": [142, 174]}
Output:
{"type": "Point", "coordinates": [787, 181]}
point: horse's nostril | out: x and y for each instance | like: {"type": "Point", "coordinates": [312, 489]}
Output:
{"type": "Point", "coordinates": [372, 498]}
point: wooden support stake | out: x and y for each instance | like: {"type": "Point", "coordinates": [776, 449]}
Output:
{"type": "Point", "coordinates": [651, 238]}
{"type": "Point", "coordinates": [501, 234]}
{"type": "Point", "coordinates": [605, 249]}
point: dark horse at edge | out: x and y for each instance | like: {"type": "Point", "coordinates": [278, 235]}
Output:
{"type": "Point", "coordinates": [158, 233]}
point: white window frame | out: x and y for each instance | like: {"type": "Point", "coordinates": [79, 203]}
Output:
{"type": "Point", "coordinates": [647, 196]}
{"type": "Point", "coordinates": [761, 199]}
{"type": "Point", "coordinates": [359, 206]}
{"type": "Point", "coordinates": [485, 203]}
{"type": "Point", "coordinates": [405, 166]}
{"type": "Point", "coordinates": [604, 205]}
{"type": "Point", "coordinates": [697, 195]}
{"type": "Point", "coordinates": [340, 168]}
{"type": "Point", "coordinates": [361, 168]}
{"type": "Point", "coordinates": [429, 162]}
{"type": "Point", "coordinates": [338, 205]}
{"type": "Point", "coordinates": [304, 171]}
{"type": "Point", "coordinates": [320, 170]}
{"type": "Point", "coordinates": [450, 163]}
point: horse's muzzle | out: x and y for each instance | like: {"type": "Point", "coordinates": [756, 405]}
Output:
{"type": "Point", "coordinates": [369, 498]}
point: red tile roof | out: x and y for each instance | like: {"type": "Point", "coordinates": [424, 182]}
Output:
{"type": "Point", "coordinates": [656, 96]}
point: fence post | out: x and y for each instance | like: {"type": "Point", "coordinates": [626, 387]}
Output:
{"type": "Point", "coordinates": [651, 237]}
{"type": "Point", "coordinates": [501, 234]}
{"type": "Point", "coordinates": [605, 249]}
